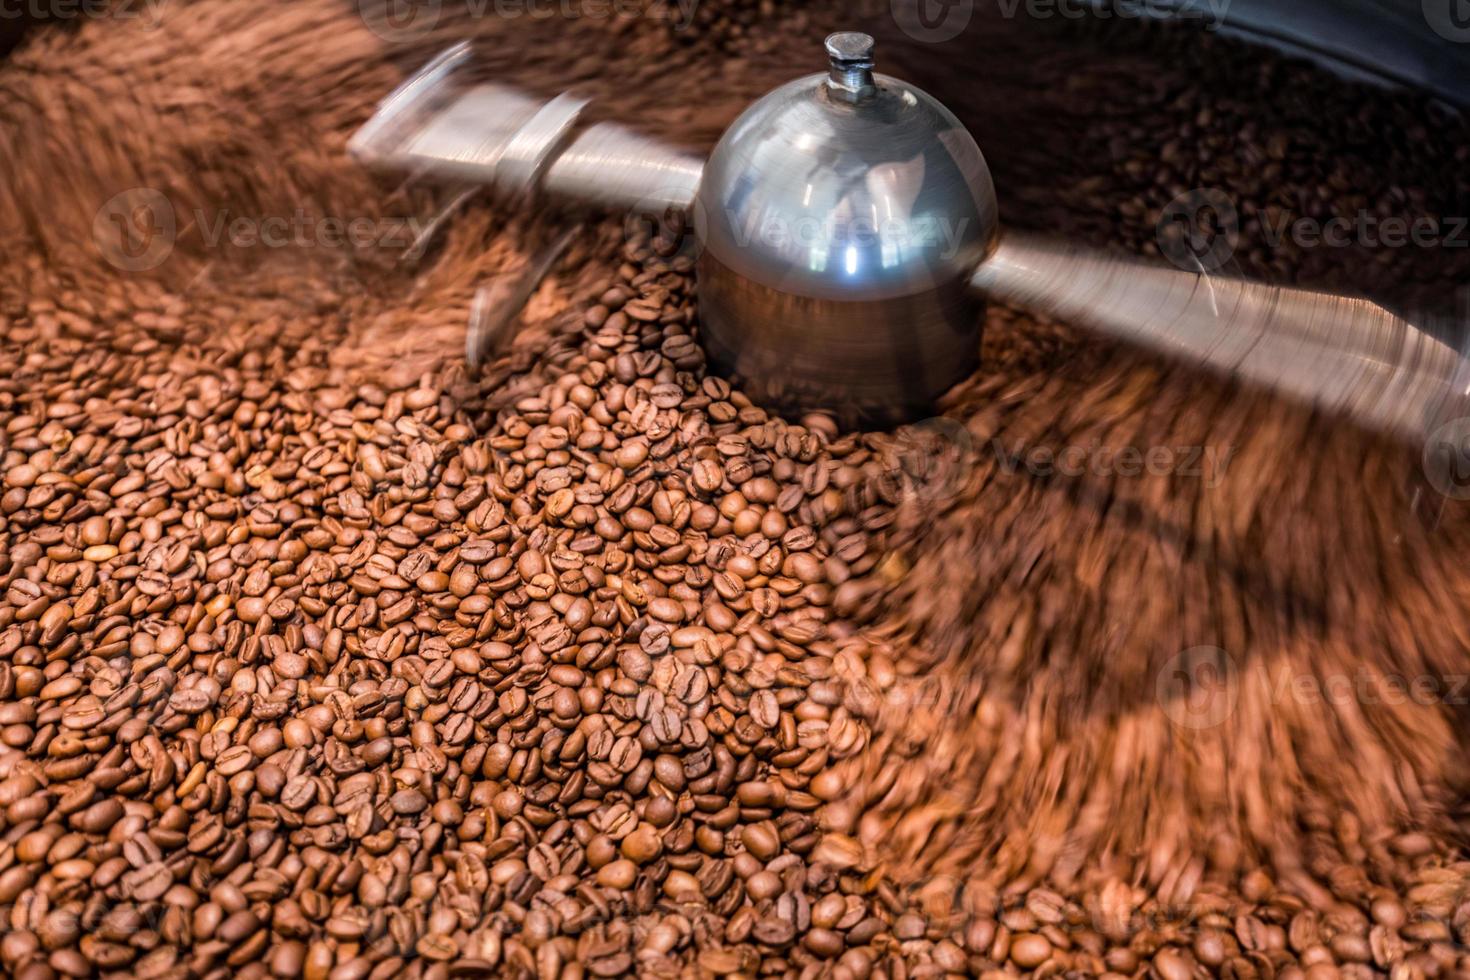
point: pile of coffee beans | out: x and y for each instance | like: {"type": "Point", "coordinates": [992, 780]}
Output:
{"type": "Point", "coordinates": [313, 678]}
{"type": "Point", "coordinates": [324, 656]}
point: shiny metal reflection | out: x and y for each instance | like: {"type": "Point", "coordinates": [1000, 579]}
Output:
{"type": "Point", "coordinates": [1346, 356]}
{"type": "Point", "coordinates": [839, 233]}
{"type": "Point", "coordinates": [437, 125]}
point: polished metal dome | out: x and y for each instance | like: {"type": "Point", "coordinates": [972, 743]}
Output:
{"type": "Point", "coordinates": [841, 218]}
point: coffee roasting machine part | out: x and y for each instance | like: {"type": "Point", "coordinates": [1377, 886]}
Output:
{"type": "Point", "coordinates": [848, 237]}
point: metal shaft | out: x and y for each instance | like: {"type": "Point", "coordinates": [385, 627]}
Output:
{"type": "Point", "coordinates": [1346, 356]}
{"type": "Point", "coordinates": [519, 145]}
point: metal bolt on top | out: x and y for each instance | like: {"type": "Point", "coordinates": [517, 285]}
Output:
{"type": "Point", "coordinates": [851, 74]}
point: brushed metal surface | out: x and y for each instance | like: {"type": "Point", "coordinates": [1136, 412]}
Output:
{"type": "Point", "coordinates": [1346, 356]}
{"type": "Point", "coordinates": [613, 167]}
{"type": "Point", "coordinates": [439, 126]}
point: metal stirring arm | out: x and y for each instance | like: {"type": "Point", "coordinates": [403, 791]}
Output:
{"type": "Point", "coordinates": [518, 145]}
{"type": "Point", "coordinates": [1343, 355]}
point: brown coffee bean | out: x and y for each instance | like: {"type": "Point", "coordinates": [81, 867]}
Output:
{"type": "Point", "coordinates": [764, 709]}
{"type": "Point", "coordinates": [774, 932]}
{"type": "Point", "coordinates": [1171, 964]}
{"type": "Point", "coordinates": [1029, 950]}
{"type": "Point", "coordinates": [235, 759]}
{"type": "Point", "coordinates": [642, 845]}
{"type": "Point", "coordinates": [762, 840]}
{"type": "Point", "coordinates": [148, 883]}
{"type": "Point", "coordinates": [618, 874]}
{"type": "Point", "coordinates": [691, 685]}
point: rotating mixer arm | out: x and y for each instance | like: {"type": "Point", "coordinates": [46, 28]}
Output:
{"type": "Point", "coordinates": [1345, 356]}
{"type": "Point", "coordinates": [519, 146]}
